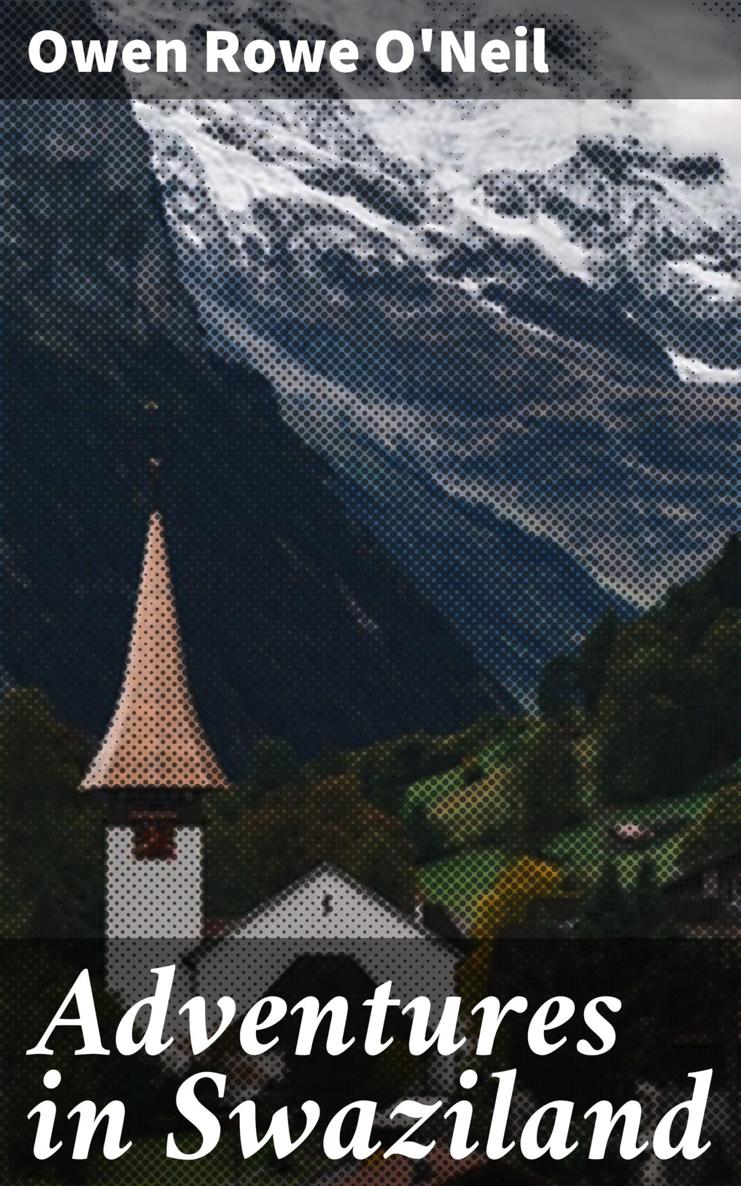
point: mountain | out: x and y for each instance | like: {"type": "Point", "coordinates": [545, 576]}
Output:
{"type": "Point", "coordinates": [515, 599]}
{"type": "Point", "coordinates": [509, 332]}
{"type": "Point", "coordinates": [501, 350]}
{"type": "Point", "coordinates": [296, 621]}
{"type": "Point", "coordinates": [660, 235]}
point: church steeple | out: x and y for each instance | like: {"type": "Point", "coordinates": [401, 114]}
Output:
{"type": "Point", "coordinates": [155, 741]}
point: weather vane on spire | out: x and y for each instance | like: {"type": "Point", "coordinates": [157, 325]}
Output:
{"type": "Point", "coordinates": [155, 461]}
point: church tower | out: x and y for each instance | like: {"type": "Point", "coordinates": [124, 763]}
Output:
{"type": "Point", "coordinates": [151, 771]}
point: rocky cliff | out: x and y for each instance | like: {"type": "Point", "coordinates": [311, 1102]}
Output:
{"type": "Point", "coordinates": [296, 621]}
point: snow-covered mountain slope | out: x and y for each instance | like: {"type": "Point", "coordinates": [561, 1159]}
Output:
{"type": "Point", "coordinates": [532, 308]}
{"type": "Point", "coordinates": [296, 623]}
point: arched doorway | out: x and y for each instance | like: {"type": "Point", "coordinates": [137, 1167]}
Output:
{"type": "Point", "coordinates": [334, 1080]}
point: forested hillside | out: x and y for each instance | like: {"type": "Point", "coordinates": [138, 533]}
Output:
{"type": "Point", "coordinates": [636, 732]}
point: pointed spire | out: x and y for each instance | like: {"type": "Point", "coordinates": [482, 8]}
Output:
{"type": "Point", "coordinates": [155, 739]}
{"type": "Point", "coordinates": [154, 484]}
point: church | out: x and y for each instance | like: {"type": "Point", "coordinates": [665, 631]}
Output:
{"type": "Point", "coordinates": [150, 776]}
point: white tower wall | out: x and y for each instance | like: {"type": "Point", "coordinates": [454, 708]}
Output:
{"type": "Point", "coordinates": [154, 899]}
{"type": "Point", "coordinates": [154, 912]}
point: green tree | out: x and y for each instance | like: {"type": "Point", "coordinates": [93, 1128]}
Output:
{"type": "Point", "coordinates": [288, 835]}
{"type": "Point", "coordinates": [383, 778]}
{"type": "Point", "coordinates": [51, 852]}
{"type": "Point", "coordinates": [329, 763]}
{"type": "Point", "coordinates": [427, 835]}
{"type": "Point", "coordinates": [541, 790]}
{"type": "Point", "coordinates": [664, 727]}
{"type": "Point", "coordinates": [650, 916]}
{"type": "Point", "coordinates": [595, 653]}
{"type": "Point", "coordinates": [387, 769]}
{"type": "Point", "coordinates": [274, 764]}
{"type": "Point", "coordinates": [606, 911]}
{"type": "Point", "coordinates": [612, 910]}
{"type": "Point", "coordinates": [669, 702]}
{"type": "Point", "coordinates": [718, 830]}
{"type": "Point", "coordinates": [473, 769]}
{"type": "Point", "coordinates": [559, 687]}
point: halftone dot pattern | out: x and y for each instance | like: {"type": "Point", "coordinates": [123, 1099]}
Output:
{"type": "Point", "coordinates": [559, 748]}
{"type": "Point", "coordinates": [155, 739]}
